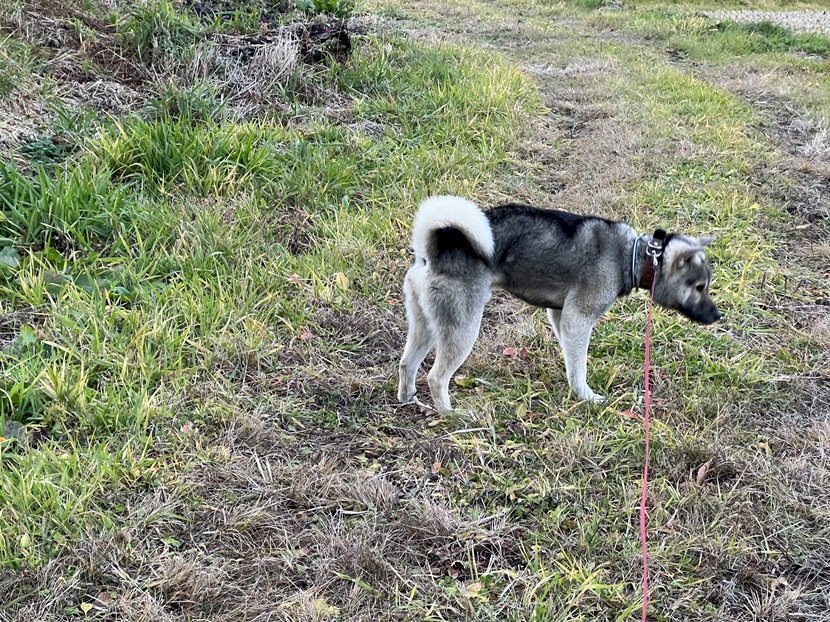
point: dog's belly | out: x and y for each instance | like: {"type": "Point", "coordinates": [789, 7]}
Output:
{"type": "Point", "coordinates": [547, 299]}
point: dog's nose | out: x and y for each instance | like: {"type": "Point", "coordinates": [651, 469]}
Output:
{"type": "Point", "coordinates": [716, 316]}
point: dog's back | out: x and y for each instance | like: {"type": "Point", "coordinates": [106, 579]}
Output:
{"type": "Point", "coordinates": [541, 255]}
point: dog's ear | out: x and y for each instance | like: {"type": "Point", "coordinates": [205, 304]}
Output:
{"type": "Point", "coordinates": [692, 255]}
{"type": "Point", "coordinates": [706, 240]}
{"type": "Point", "coordinates": [680, 260]}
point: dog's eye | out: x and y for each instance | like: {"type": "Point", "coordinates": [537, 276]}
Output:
{"type": "Point", "coordinates": [700, 287]}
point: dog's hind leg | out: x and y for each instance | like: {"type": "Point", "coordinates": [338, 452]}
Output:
{"type": "Point", "coordinates": [554, 317]}
{"type": "Point", "coordinates": [575, 330]}
{"type": "Point", "coordinates": [450, 352]}
{"type": "Point", "coordinates": [456, 333]}
{"type": "Point", "coordinates": [419, 341]}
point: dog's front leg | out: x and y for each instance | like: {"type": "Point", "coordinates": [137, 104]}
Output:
{"type": "Point", "coordinates": [574, 334]}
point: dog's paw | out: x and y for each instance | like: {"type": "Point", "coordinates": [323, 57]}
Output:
{"type": "Point", "coordinates": [403, 398]}
{"type": "Point", "coordinates": [427, 409]}
{"type": "Point", "coordinates": [590, 396]}
{"type": "Point", "coordinates": [411, 399]}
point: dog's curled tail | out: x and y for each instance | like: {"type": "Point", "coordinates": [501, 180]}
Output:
{"type": "Point", "coordinates": [444, 223]}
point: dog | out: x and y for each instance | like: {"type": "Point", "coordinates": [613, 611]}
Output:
{"type": "Point", "coordinates": [574, 266]}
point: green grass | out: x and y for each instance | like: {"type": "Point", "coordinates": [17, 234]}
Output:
{"type": "Point", "coordinates": [18, 69]}
{"type": "Point", "coordinates": [157, 30]}
{"type": "Point", "coordinates": [200, 319]}
{"type": "Point", "coordinates": [337, 8]}
{"type": "Point", "coordinates": [761, 37]}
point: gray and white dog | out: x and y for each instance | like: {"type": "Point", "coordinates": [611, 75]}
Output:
{"type": "Point", "coordinates": [574, 266]}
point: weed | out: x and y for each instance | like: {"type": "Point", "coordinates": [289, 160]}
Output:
{"type": "Point", "coordinates": [46, 149]}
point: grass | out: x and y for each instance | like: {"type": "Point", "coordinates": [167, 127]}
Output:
{"type": "Point", "coordinates": [337, 8]}
{"type": "Point", "coordinates": [156, 30]}
{"type": "Point", "coordinates": [123, 244]}
{"type": "Point", "coordinates": [201, 319]}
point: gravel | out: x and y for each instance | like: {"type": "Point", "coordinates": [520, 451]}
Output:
{"type": "Point", "coordinates": [796, 21]}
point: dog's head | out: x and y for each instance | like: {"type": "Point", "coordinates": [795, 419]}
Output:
{"type": "Point", "coordinates": [683, 279]}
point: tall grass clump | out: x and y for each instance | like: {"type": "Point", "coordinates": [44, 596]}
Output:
{"type": "Point", "coordinates": [16, 63]}
{"type": "Point", "coordinates": [76, 206]}
{"type": "Point", "coordinates": [156, 30]}
{"type": "Point", "coordinates": [762, 37]}
{"type": "Point", "coordinates": [166, 153]}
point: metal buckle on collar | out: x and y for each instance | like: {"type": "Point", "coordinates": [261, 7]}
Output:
{"type": "Point", "coordinates": [655, 245]}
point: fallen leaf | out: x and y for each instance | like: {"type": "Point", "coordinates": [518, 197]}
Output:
{"type": "Point", "coordinates": [630, 414]}
{"type": "Point", "coordinates": [171, 541]}
{"type": "Point", "coordinates": [341, 281]}
{"type": "Point", "coordinates": [105, 601]}
{"type": "Point", "coordinates": [433, 423]}
{"type": "Point", "coordinates": [516, 426]}
{"type": "Point", "coordinates": [509, 351]}
{"type": "Point", "coordinates": [703, 470]}
{"type": "Point", "coordinates": [321, 607]}
{"type": "Point", "coordinates": [474, 589]}
{"type": "Point", "coordinates": [436, 468]}
{"type": "Point", "coordinates": [454, 569]}
{"type": "Point", "coordinates": [86, 607]}
{"type": "Point", "coordinates": [307, 335]}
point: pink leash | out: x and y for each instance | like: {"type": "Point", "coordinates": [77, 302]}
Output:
{"type": "Point", "coordinates": [645, 467]}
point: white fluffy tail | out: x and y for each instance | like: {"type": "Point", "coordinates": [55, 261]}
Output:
{"type": "Point", "coordinates": [439, 212]}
